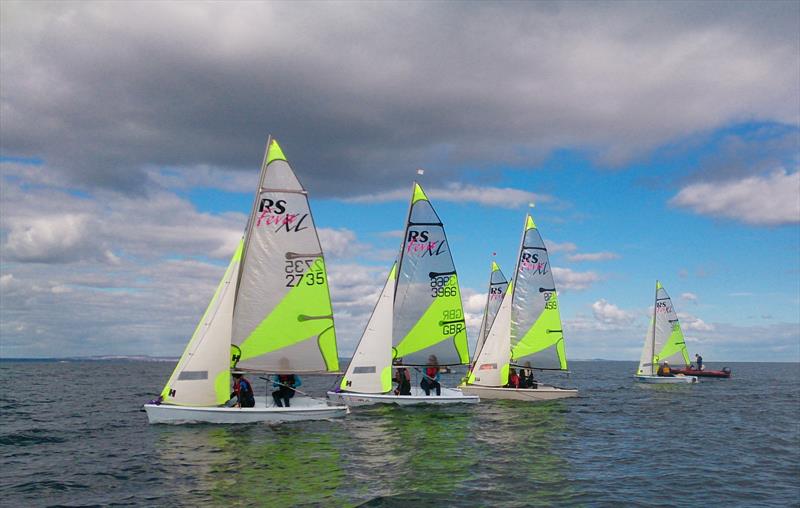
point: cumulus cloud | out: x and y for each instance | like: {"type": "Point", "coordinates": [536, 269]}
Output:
{"type": "Point", "coordinates": [689, 297]}
{"type": "Point", "coordinates": [119, 88]}
{"type": "Point", "coordinates": [504, 197]}
{"type": "Point", "coordinates": [610, 314]}
{"type": "Point", "coordinates": [568, 279]}
{"type": "Point", "coordinates": [593, 256]}
{"type": "Point", "coordinates": [694, 323]}
{"type": "Point", "coordinates": [560, 247]}
{"type": "Point", "coordinates": [770, 200]}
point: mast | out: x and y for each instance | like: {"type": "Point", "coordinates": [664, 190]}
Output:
{"type": "Point", "coordinates": [653, 348]}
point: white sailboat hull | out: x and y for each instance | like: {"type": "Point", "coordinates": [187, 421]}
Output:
{"type": "Point", "coordinates": [448, 396]}
{"type": "Point", "coordinates": [302, 408]}
{"type": "Point", "coordinates": [542, 393]}
{"type": "Point", "coordinates": [660, 380]}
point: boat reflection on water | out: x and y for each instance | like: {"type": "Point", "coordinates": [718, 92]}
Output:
{"type": "Point", "coordinates": [408, 453]}
{"type": "Point", "coordinates": [518, 445]}
{"type": "Point", "coordinates": [384, 455]}
{"type": "Point", "coordinates": [253, 465]}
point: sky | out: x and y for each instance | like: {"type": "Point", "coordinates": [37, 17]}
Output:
{"type": "Point", "coordinates": [656, 140]}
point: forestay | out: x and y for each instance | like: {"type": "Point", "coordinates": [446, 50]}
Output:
{"type": "Point", "coordinates": [202, 375]}
{"type": "Point", "coordinates": [497, 289]}
{"type": "Point", "coordinates": [283, 320]}
{"type": "Point", "coordinates": [668, 343]}
{"type": "Point", "coordinates": [536, 333]}
{"type": "Point", "coordinates": [370, 370]}
{"type": "Point", "coordinates": [428, 314]}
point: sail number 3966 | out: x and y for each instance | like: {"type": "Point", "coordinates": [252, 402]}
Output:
{"type": "Point", "coordinates": [439, 287]}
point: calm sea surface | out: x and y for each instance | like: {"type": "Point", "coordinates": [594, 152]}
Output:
{"type": "Point", "coordinates": [72, 434]}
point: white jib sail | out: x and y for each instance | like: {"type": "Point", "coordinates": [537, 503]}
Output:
{"type": "Point", "coordinates": [370, 370]}
{"type": "Point", "coordinates": [646, 361]}
{"type": "Point", "coordinates": [202, 376]}
{"type": "Point", "coordinates": [491, 366]}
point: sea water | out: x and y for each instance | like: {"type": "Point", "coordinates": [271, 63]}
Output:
{"type": "Point", "coordinates": [72, 433]}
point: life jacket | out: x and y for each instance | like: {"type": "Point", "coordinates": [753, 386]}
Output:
{"type": "Point", "coordinates": [286, 379]}
{"type": "Point", "coordinates": [666, 370]}
{"type": "Point", "coordinates": [241, 390]}
{"type": "Point", "coordinates": [431, 372]}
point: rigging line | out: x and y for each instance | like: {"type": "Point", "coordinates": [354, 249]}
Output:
{"type": "Point", "coordinates": [268, 380]}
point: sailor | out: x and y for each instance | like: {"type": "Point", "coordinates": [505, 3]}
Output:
{"type": "Point", "coordinates": [430, 378]}
{"type": "Point", "coordinates": [513, 379]}
{"type": "Point", "coordinates": [402, 378]}
{"type": "Point", "coordinates": [242, 391]}
{"type": "Point", "coordinates": [699, 360]}
{"type": "Point", "coordinates": [286, 383]}
{"type": "Point", "coordinates": [664, 369]}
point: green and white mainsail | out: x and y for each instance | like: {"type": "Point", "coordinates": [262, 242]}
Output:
{"type": "Point", "coordinates": [428, 313]}
{"type": "Point", "coordinates": [536, 333]}
{"type": "Point", "coordinates": [664, 341]}
{"type": "Point", "coordinates": [283, 319]}
{"type": "Point", "coordinates": [202, 376]}
{"type": "Point", "coordinates": [497, 289]}
{"type": "Point", "coordinates": [272, 309]}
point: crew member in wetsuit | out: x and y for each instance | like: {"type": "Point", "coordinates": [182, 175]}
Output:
{"type": "Point", "coordinates": [285, 384]}
{"type": "Point", "coordinates": [430, 379]}
{"type": "Point", "coordinates": [513, 379]}
{"type": "Point", "coordinates": [243, 391]}
{"type": "Point", "coordinates": [403, 380]}
{"type": "Point", "coordinates": [699, 360]}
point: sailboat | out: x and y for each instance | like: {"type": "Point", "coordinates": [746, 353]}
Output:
{"type": "Point", "coordinates": [525, 331]}
{"type": "Point", "coordinates": [497, 288]}
{"type": "Point", "coordinates": [271, 313]}
{"type": "Point", "coordinates": [417, 322]}
{"type": "Point", "coordinates": [664, 342]}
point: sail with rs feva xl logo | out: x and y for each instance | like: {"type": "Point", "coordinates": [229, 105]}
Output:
{"type": "Point", "coordinates": [526, 329]}
{"type": "Point", "coordinates": [272, 310]}
{"type": "Point", "coordinates": [419, 313]}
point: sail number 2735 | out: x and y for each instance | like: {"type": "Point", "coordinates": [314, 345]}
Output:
{"type": "Point", "coordinates": [300, 271]}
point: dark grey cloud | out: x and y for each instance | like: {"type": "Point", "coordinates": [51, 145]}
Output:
{"type": "Point", "coordinates": [104, 90]}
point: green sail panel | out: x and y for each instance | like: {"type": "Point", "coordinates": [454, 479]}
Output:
{"type": "Point", "coordinates": [283, 319]}
{"type": "Point", "coordinates": [498, 284]}
{"type": "Point", "coordinates": [428, 313]}
{"type": "Point", "coordinates": [536, 331]}
{"type": "Point", "coordinates": [669, 344]}
{"type": "Point", "coordinates": [202, 375]}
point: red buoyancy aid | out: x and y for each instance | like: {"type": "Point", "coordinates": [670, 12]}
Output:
{"type": "Point", "coordinates": [431, 372]}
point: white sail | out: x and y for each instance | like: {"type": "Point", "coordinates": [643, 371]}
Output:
{"type": "Point", "coordinates": [202, 376]}
{"type": "Point", "coordinates": [646, 367]}
{"type": "Point", "coordinates": [497, 290]}
{"type": "Point", "coordinates": [370, 370]}
{"type": "Point", "coordinates": [492, 363]}
{"type": "Point", "coordinates": [283, 320]}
